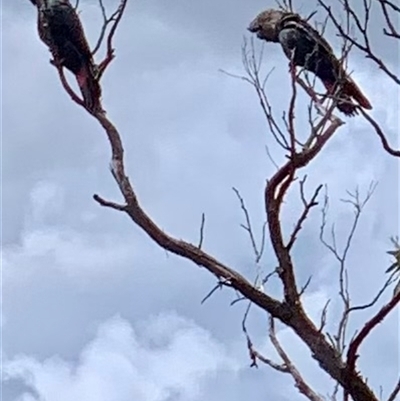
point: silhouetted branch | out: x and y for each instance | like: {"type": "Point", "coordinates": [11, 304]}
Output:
{"type": "Point", "coordinates": [307, 205]}
{"type": "Point", "coordinates": [274, 193]}
{"type": "Point", "coordinates": [381, 291]}
{"type": "Point", "coordinates": [106, 203]}
{"type": "Point", "coordinates": [66, 86]}
{"type": "Point", "coordinates": [286, 5]}
{"type": "Point", "coordinates": [203, 221]}
{"type": "Point", "coordinates": [300, 383]}
{"type": "Point", "coordinates": [106, 21]}
{"type": "Point", "coordinates": [362, 26]}
{"type": "Point", "coordinates": [252, 68]}
{"type": "Point", "coordinates": [366, 330]}
{"type": "Point", "coordinates": [257, 252]}
{"type": "Point", "coordinates": [219, 286]}
{"type": "Point", "coordinates": [289, 311]}
{"type": "Point", "coordinates": [287, 366]}
{"type": "Point", "coordinates": [291, 112]}
{"type": "Point", "coordinates": [395, 392]}
{"type": "Point", "coordinates": [358, 205]}
{"type": "Point", "coordinates": [324, 315]}
{"type": "Point", "coordinates": [256, 355]}
{"type": "Point", "coordinates": [392, 31]}
{"type": "Point", "coordinates": [381, 135]}
{"type": "Point", "coordinates": [113, 21]}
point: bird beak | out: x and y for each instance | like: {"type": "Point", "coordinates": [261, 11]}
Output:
{"type": "Point", "coordinates": [254, 26]}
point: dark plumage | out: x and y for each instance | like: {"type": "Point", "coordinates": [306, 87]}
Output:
{"type": "Point", "coordinates": [61, 30]}
{"type": "Point", "coordinates": [307, 48]}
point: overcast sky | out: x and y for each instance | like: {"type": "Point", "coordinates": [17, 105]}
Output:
{"type": "Point", "coordinates": [92, 309]}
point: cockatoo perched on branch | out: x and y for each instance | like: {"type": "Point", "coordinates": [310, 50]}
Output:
{"type": "Point", "coordinates": [61, 30]}
{"type": "Point", "coordinates": [305, 47]}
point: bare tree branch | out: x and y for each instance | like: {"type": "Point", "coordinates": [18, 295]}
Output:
{"type": "Point", "coordinates": [254, 354]}
{"type": "Point", "coordinates": [66, 86]}
{"type": "Point", "coordinates": [290, 311]}
{"type": "Point", "coordinates": [203, 222]}
{"type": "Point", "coordinates": [358, 205]}
{"type": "Point", "coordinates": [114, 21]}
{"type": "Point", "coordinates": [392, 31]}
{"type": "Point", "coordinates": [395, 392]}
{"type": "Point", "coordinates": [363, 29]}
{"type": "Point", "coordinates": [274, 193]}
{"type": "Point", "coordinates": [352, 355]}
{"type": "Point", "coordinates": [219, 286]}
{"type": "Point", "coordinates": [307, 207]}
{"type": "Point", "coordinates": [106, 203]}
{"type": "Point", "coordinates": [381, 135]}
{"type": "Point", "coordinates": [257, 252]}
{"type": "Point", "coordinates": [301, 384]}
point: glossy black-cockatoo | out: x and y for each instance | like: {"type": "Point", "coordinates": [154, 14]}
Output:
{"type": "Point", "coordinates": [305, 47]}
{"type": "Point", "coordinates": [61, 30]}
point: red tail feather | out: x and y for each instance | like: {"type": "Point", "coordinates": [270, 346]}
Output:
{"type": "Point", "coordinates": [90, 89]}
{"type": "Point", "coordinates": [344, 103]}
{"type": "Point", "coordinates": [351, 89]}
{"type": "Point", "coordinates": [349, 92]}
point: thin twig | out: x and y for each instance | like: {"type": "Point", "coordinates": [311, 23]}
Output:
{"type": "Point", "coordinates": [307, 207]}
{"type": "Point", "coordinates": [300, 383]}
{"type": "Point", "coordinates": [257, 252]}
{"type": "Point", "coordinates": [103, 202]}
{"type": "Point", "coordinates": [366, 330]}
{"type": "Point", "coordinates": [380, 134]}
{"type": "Point", "coordinates": [395, 392]}
{"type": "Point", "coordinates": [203, 221]}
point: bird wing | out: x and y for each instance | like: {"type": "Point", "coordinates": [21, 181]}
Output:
{"type": "Point", "coordinates": [67, 20]}
{"type": "Point", "coordinates": [294, 21]}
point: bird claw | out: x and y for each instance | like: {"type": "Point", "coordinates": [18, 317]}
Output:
{"type": "Point", "coordinates": [57, 63]}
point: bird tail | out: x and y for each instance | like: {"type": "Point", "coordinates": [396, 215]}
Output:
{"type": "Point", "coordinates": [344, 103]}
{"type": "Point", "coordinates": [348, 92]}
{"type": "Point", "coordinates": [351, 89]}
{"type": "Point", "coordinates": [90, 88]}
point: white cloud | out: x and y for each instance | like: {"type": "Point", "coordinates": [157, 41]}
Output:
{"type": "Point", "coordinates": [56, 247]}
{"type": "Point", "coordinates": [121, 363]}
{"type": "Point", "coordinates": [66, 250]}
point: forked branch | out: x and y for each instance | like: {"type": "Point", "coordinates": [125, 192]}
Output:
{"type": "Point", "coordinates": [289, 311]}
{"type": "Point", "coordinates": [113, 21]}
{"type": "Point", "coordinates": [352, 355]}
{"type": "Point", "coordinates": [300, 383]}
